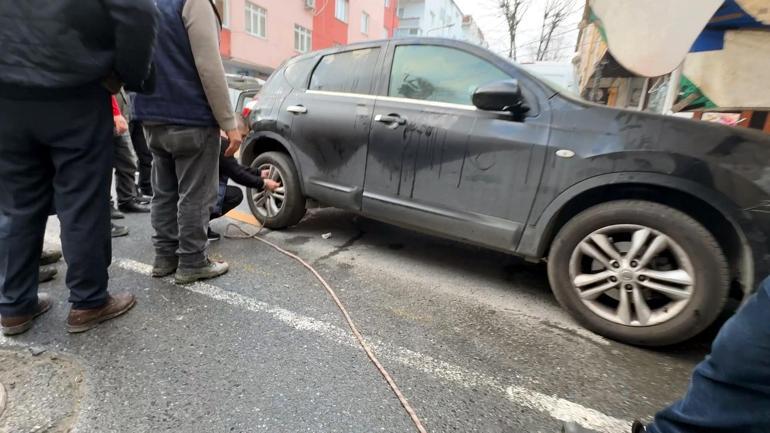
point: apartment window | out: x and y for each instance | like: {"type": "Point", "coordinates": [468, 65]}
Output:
{"type": "Point", "coordinates": [400, 12]}
{"type": "Point", "coordinates": [223, 9]}
{"type": "Point", "coordinates": [365, 23]}
{"type": "Point", "coordinates": [302, 39]}
{"type": "Point", "coordinates": [387, 3]}
{"type": "Point", "coordinates": [256, 20]}
{"type": "Point", "coordinates": [341, 10]}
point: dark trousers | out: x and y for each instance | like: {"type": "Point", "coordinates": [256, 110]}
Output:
{"type": "Point", "coordinates": [730, 390]}
{"type": "Point", "coordinates": [232, 198]}
{"type": "Point", "coordinates": [143, 155]}
{"type": "Point", "coordinates": [125, 169]}
{"type": "Point", "coordinates": [55, 151]}
{"type": "Point", "coordinates": [185, 175]}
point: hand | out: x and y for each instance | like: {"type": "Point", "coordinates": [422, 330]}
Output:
{"type": "Point", "coordinates": [121, 126]}
{"type": "Point", "coordinates": [265, 174]}
{"type": "Point", "coordinates": [235, 138]}
{"type": "Point", "coordinates": [271, 185]}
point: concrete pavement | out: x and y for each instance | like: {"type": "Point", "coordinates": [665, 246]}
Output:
{"type": "Point", "coordinates": [474, 339]}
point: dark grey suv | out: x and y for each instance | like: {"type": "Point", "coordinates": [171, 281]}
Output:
{"type": "Point", "coordinates": [648, 223]}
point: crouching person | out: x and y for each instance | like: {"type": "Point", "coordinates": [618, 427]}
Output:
{"type": "Point", "coordinates": [229, 197]}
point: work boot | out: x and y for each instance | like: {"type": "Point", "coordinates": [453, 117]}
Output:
{"type": "Point", "coordinates": [164, 266]}
{"type": "Point", "coordinates": [213, 236]}
{"type": "Point", "coordinates": [191, 275]}
{"type": "Point", "coordinates": [83, 320]}
{"type": "Point", "coordinates": [20, 324]}
{"type": "Point", "coordinates": [49, 257]}
{"type": "Point", "coordinates": [133, 206]}
{"type": "Point", "coordinates": [116, 214]}
{"type": "Point", "coordinates": [47, 273]}
{"type": "Point", "coordinates": [572, 427]}
{"type": "Point", "coordinates": [118, 231]}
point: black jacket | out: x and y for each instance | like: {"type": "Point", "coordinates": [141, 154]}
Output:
{"type": "Point", "coordinates": [230, 168]}
{"type": "Point", "coordinates": [61, 44]}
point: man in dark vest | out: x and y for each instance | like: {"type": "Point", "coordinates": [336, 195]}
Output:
{"type": "Point", "coordinates": [58, 58]}
{"type": "Point", "coordinates": [182, 121]}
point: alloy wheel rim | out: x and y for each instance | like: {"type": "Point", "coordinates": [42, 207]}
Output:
{"type": "Point", "coordinates": [270, 203]}
{"type": "Point", "coordinates": [632, 275]}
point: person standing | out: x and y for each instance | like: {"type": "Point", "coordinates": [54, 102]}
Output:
{"type": "Point", "coordinates": [143, 154]}
{"type": "Point", "coordinates": [182, 121]}
{"type": "Point", "coordinates": [59, 57]}
{"type": "Point", "coordinates": [128, 198]}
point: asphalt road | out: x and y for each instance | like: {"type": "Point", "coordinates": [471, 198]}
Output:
{"type": "Point", "coordinates": [474, 339]}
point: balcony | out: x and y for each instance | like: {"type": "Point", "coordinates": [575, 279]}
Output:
{"type": "Point", "coordinates": [409, 22]}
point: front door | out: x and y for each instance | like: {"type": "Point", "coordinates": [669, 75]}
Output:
{"type": "Point", "coordinates": [437, 163]}
{"type": "Point", "coordinates": [330, 129]}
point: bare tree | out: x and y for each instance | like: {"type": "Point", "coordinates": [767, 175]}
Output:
{"type": "Point", "coordinates": [554, 16]}
{"type": "Point", "coordinates": [513, 11]}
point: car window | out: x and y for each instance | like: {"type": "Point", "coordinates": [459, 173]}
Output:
{"type": "Point", "coordinates": [297, 73]}
{"type": "Point", "coordinates": [348, 72]}
{"type": "Point", "coordinates": [441, 74]}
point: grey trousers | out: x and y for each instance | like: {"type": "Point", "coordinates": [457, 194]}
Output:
{"type": "Point", "coordinates": [185, 176]}
{"type": "Point", "coordinates": [125, 169]}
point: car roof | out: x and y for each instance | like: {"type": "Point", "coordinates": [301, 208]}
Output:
{"type": "Point", "coordinates": [408, 40]}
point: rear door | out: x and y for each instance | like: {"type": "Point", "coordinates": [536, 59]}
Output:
{"type": "Point", "coordinates": [437, 163]}
{"type": "Point", "coordinates": [330, 128]}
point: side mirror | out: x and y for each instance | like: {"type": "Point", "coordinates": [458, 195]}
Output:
{"type": "Point", "coordinates": [500, 96]}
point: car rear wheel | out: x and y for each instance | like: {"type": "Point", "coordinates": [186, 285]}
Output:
{"type": "Point", "coordinates": [639, 272]}
{"type": "Point", "coordinates": [285, 206]}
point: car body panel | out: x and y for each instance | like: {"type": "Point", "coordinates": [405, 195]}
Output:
{"type": "Point", "coordinates": [442, 169]}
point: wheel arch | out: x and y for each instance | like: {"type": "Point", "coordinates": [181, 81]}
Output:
{"type": "Point", "coordinates": [708, 207]}
{"type": "Point", "coordinates": [260, 142]}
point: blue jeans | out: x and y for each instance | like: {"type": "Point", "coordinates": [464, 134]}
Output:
{"type": "Point", "coordinates": [730, 390]}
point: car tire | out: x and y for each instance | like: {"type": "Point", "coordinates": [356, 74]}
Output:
{"type": "Point", "coordinates": [692, 264]}
{"type": "Point", "coordinates": [292, 207]}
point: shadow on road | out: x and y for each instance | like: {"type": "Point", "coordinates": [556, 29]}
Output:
{"type": "Point", "coordinates": [421, 250]}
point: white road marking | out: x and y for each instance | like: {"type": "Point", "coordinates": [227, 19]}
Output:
{"type": "Point", "coordinates": [557, 408]}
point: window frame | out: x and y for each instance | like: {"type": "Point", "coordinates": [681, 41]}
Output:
{"type": "Point", "coordinates": [365, 19]}
{"type": "Point", "coordinates": [301, 31]}
{"type": "Point", "coordinates": [345, 10]}
{"type": "Point", "coordinates": [251, 10]}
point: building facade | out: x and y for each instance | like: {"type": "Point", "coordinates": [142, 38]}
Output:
{"type": "Point", "coordinates": [437, 18]}
{"type": "Point", "coordinates": [258, 35]}
{"type": "Point", "coordinates": [722, 78]}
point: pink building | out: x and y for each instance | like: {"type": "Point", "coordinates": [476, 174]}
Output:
{"type": "Point", "coordinates": [260, 34]}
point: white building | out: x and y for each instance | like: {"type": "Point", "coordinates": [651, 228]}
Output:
{"type": "Point", "coordinates": [436, 18]}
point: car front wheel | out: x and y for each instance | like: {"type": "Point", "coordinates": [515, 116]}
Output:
{"type": "Point", "coordinates": [285, 206]}
{"type": "Point", "coordinates": [639, 272]}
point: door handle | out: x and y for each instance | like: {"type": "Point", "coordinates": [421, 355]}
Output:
{"type": "Point", "coordinates": [296, 109]}
{"type": "Point", "coordinates": [393, 119]}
